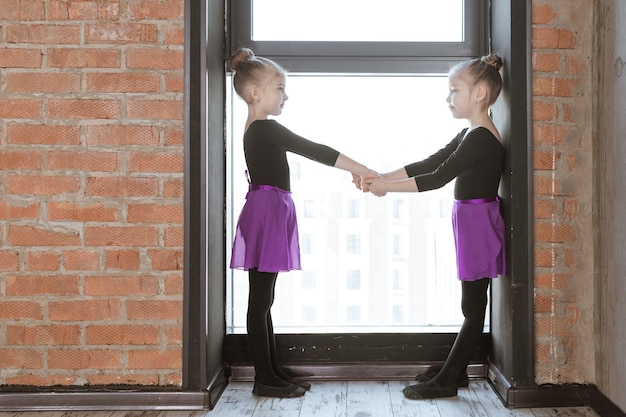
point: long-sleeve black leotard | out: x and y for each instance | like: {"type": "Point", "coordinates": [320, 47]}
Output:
{"type": "Point", "coordinates": [475, 160]}
{"type": "Point", "coordinates": [266, 143]}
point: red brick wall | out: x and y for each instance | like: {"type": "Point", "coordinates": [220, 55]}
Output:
{"type": "Point", "coordinates": [91, 178]}
{"type": "Point", "coordinates": [562, 156]}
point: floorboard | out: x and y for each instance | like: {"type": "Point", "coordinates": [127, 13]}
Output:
{"type": "Point", "coordinates": [344, 399]}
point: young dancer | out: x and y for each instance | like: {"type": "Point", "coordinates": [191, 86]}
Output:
{"type": "Point", "coordinates": [475, 157]}
{"type": "Point", "coordinates": [266, 240]}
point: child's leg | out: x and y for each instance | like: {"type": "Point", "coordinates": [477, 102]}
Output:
{"type": "Point", "coordinates": [473, 304]}
{"type": "Point", "coordinates": [260, 299]}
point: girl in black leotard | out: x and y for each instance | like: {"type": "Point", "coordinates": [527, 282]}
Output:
{"type": "Point", "coordinates": [475, 157]}
{"type": "Point", "coordinates": [266, 239]}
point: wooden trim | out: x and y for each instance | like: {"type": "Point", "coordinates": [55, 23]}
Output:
{"type": "Point", "coordinates": [104, 400]}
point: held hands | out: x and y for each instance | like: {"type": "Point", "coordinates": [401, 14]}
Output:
{"type": "Point", "coordinates": [370, 181]}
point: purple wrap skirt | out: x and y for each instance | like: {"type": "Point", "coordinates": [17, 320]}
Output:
{"type": "Point", "coordinates": [479, 238]}
{"type": "Point", "coordinates": [266, 237]}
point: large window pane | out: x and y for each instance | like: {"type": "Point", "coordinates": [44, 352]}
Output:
{"type": "Point", "coordinates": [369, 264]}
{"type": "Point", "coordinates": [358, 20]}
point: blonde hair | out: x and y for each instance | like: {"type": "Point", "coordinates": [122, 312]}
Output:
{"type": "Point", "coordinates": [250, 69]}
{"type": "Point", "coordinates": [482, 70]}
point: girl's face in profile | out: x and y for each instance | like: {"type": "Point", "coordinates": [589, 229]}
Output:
{"type": "Point", "coordinates": [460, 101]}
{"type": "Point", "coordinates": [273, 95]}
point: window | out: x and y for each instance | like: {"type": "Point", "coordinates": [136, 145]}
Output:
{"type": "Point", "coordinates": [383, 103]}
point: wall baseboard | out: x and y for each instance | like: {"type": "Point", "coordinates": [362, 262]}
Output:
{"type": "Point", "coordinates": [111, 398]}
{"type": "Point", "coordinates": [542, 396]}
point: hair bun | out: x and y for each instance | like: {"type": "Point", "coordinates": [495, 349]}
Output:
{"type": "Point", "coordinates": [493, 61]}
{"type": "Point", "coordinates": [239, 57]}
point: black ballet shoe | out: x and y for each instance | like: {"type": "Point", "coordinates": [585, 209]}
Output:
{"type": "Point", "coordinates": [302, 384]}
{"type": "Point", "coordinates": [290, 391]}
{"type": "Point", "coordinates": [429, 390]}
{"type": "Point", "coordinates": [462, 381]}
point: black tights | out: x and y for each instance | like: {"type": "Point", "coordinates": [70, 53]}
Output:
{"type": "Point", "coordinates": [261, 330]}
{"type": "Point", "coordinates": [473, 304]}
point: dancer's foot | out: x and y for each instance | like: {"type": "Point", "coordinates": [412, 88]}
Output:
{"type": "Point", "coordinates": [462, 381]}
{"type": "Point", "coordinates": [290, 391]}
{"type": "Point", "coordinates": [429, 390]}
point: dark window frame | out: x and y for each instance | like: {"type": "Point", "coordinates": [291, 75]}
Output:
{"type": "Point", "coordinates": [361, 57]}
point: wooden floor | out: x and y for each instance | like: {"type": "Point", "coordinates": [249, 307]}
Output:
{"type": "Point", "coordinates": [344, 399]}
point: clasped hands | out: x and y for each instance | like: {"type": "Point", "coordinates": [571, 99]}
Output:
{"type": "Point", "coordinates": [371, 182]}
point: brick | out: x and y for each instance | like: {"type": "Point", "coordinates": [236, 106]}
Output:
{"type": "Point", "coordinates": [21, 108]}
{"type": "Point", "coordinates": [554, 87]}
{"type": "Point", "coordinates": [76, 160]}
{"type": "Point", "coordinates": [155, 162]}
{"type": "Point", "coordinates": [544, 111]}
{"type": "Point", "coordinates": [542, 14]}
{"type": "Point", "coordinates": [546, 62]}
{"type": "Point", "coordinates": [43, 34]}
{"type": "Point", "coordinates": [84, 359]}
{"type": "Point", "coordinates": [123, 83]}
{"type": "Point", "coordinates": [84, 10]}
{"type": "Point", "coordinates": [81, 260]}
{"type": "Point", "coordinates": [547, 186]}
{"type": "Point", "coordinates": [155, 109]}
{"type": "Point", "coordinates": [84, 58]}
{"type": "Point", "coordinates": [120, 236]}
{"type": "Point", "coordinates": [544, 209]}
{"type": "Point", "coordinates": [556, 233]}
{"type": "Point", "coordinates": [570, 209]}
{"type": "Point", "coordinates": [84, 109]}
{"type": "Point", "coordinates": [20, 160]}
{"type": "Point", "coordinates": [125, 187]}
{"type": "Point", "coordinates": [552, 280]}
{"type": "Point", "coordinates": [39, 381]}
{"type": "Point", "coordinates": [174, 136]}
{"type": "Point", "coordinates": [41, 185]}
{"type": "Point", "coordinates": [166, 259]}
{"type": "Point", "coordinates": [549, 134]}
{"type": "Point", "coordinates": [20, 58]}
{"type": "Point", "coordinates": [123, 379]}
{"type": "Point", "coordinates": [160, 310]}
{"type": "Point", "coordinates": [38, 236]}
{"type": "Point", "coordinates": [9, 260]}
{"type": "Point", "coordinates": [127, 259]}
{"type": "Point", "coordinates": [545, 160]}
{"type": "Point", "coordinates": [545, 303]}
{"type": "Point", "coordinates": [574, 66]}
{"type": "Point", "coordinates": [545, 257]}
{"type": "Point", "coordinates": [159, 59]}
{"type": "Point", "coordinates": [20, 310]}
{"type": "Point", "coordinates": [76, 211]}
{"type": "Point", "coordinates": [129, 334]}
{"type": "Point", "coordinates": [174, 335]}
{"type": "Point", "coordinates": [173, 188]}
{"type": "Point", "coordinates": [164, 9]}
{"type": "Point", "coordinates": [42, 134]}
{"type": "Point", "coordinates": [120, 33]}
{"type": "Point", "coordinates": [121, 135]}
{"type": "Point", "coordinates": [43, 82]}
{"type": "Point", "coordinates": [42, 261]}
{"type": "Point", "coordinates": [43, 335]}
{"type": "Point", "coordinates": [121, 286]}
{"type": "Point", "coordinates": [155, 359]}
{"type": "Point", "coordinates": [19, 210]}
{"type": "Point", "coordinates": [24, 10]}
{"type": "Point", "coordinates": [174, 35]}
{"type": "Point", "coordinates": [553, 38]}
{"type": "Point", "coordinates": [42, 285]}
{"type": "Point", "coordinates": [20, 358]}
{"type": "Point", "coordinates": [174, 82]}
{"type": "Point", "coordinates": [174, 284]}
{"type": "Point", "coordinates": [155, 213]}
{"type": "Point", "coordinates": [173, 236]}
{"type": "Point", "coordinates": [85, 310]}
